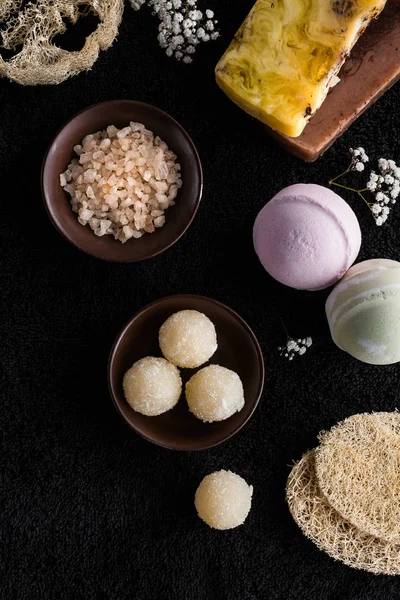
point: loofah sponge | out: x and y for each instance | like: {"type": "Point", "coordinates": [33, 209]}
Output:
{"type": "Point", "coordinates": [34, 25]}
{"type": "Point", "coordinates": [358, 471]}
{"type": "Point", "coordinates": [329, 531]}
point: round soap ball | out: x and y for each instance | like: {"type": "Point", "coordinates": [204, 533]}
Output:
{"type": "Point", "coordinates": [307, 237]}
{"type": "Point", "coordinates": [223, 500]}
{"type": "Point", "coordinates": [188, 339]}
{"type": "Point", "coordinates": [363, 312]}
{"type": "Point", "coordinates": [152, 386]}
{"type": "Point", "coordinates": [214, 393]}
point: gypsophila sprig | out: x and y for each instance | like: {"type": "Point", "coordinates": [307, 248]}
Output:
{"type": "Point", "coordinates": [358, 159]}
{"type": "Point", "coordinates": [384, 184]}
{"type": "Point", "coordinates": [294, 347]}
{"type": "Point", "coordinates": [182, 26]}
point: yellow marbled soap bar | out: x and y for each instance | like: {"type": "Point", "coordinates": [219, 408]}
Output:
{"type": "Point", "coordinates": [286, 55]}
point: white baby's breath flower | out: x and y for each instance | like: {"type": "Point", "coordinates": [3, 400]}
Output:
{"type": "Point", "coordinates": [295, 347]}
{"type": "Point", "coordinates": [383, 164]}
{"type": "Point", "coordinates": [384, 185]}
{"type": "Point", "coordinates": [182, 26]}
{"type": "Point", "coordinates": [359, 157]}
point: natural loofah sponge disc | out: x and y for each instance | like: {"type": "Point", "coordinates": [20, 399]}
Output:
{"type": "Point", "coordinates": [34, 25]}
{"type": "Point", "coordinates": [214, 393]}
{"type": "Point", "coordinates": [188, 339]}
{"type": "Point", "coordinates": [358, 470]}
{"type": "Point", "coordinates": [223, 500]}
{"type": "Point", "coordinates": [329, 531]}
{"type": "Point", "coordinates": [152, 386]}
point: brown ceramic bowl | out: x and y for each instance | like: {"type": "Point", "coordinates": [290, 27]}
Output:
{"type": "Point", "coordinates": [60, 153]}
{"type": "Point", "coordinates": [238, 350]}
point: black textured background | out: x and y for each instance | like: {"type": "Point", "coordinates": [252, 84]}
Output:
{"type": "Point", "coordinates": [88, 509]}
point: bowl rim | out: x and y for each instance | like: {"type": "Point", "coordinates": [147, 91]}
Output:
{"type": "Point", "coordinates": [252, 336]}
{"type": "Point", "coordinates": [52, 216]}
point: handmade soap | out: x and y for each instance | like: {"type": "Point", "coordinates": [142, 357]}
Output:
{"type": "Point", "coordinates": [373, 67]}
{"type": "Point", "coordinates": [188, 339]}
{"type": "Point", "coordinates": [307, 237]}
{"type": "Point", "coordinates": [223, 500]}
{"type": "Point", "coordinates": [152, 386]}
{"type": "Point", "coordinates": [286, 56]}
{"type": "Point", "coordinates": [363, 312]}
{"type": "Point", "coordinates": [214, 393]}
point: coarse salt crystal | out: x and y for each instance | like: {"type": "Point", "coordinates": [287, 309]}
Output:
{"type": "Point", "coordinates": [159, 221]}
{"type": "Point", "coordinates": [113, 183]}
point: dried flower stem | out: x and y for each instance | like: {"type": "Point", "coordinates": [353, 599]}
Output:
{"type": "Point", "coordinates": [350, 189]}
{"type": "Point", "coordinates": [331, 182]}
{"type": "Point", "coordinates": [284, 327]}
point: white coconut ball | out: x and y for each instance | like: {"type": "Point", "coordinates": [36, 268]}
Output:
{"type": "Point", "coordinates": [214, 393]}
{"type": "Point", "coordinates": [223, 500]}
{"type": "Point", "coordinates": [188, 339]}
{"type": "Point", "coordinates": [152, 386]}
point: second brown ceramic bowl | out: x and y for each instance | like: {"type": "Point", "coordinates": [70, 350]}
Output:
{"type": "Point", "coordinates": [238, 350]}
{"type": "Point", "coordinates": [96, 118]}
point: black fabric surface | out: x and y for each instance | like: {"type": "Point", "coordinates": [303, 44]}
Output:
{"type": "Point", "coordinates": [88, 509]}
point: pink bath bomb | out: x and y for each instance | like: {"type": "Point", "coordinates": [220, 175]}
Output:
{"type": "Point", "coordinates": [307, 237]}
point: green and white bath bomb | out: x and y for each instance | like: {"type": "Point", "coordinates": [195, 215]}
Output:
{"type": "Point", "coordinates": [363, 312]}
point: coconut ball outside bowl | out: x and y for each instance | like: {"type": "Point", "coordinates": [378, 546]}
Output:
{"type": "Point", "coordinates": [119, 114]}
{"type": "Point", "coordinates": [238, 350]}
{"type": "Point", "coordinates": [223, 500]}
